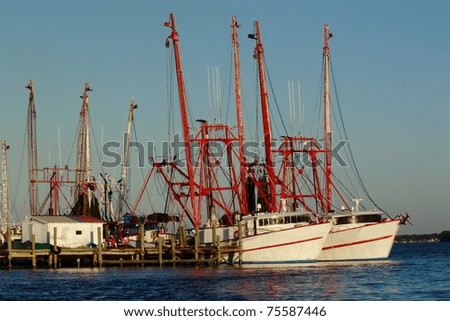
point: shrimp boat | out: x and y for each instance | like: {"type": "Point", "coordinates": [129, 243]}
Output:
{"type": "Point", "coordinates": [365, 235]}
{"type": "Point", "coordinates": [278, 235]}
{"type": "Point", "coordinates": [355, 234]}
{"type": "Point", "coordinates": [290, 237]}
{"type": "Point", "coordinates": [272, 235]}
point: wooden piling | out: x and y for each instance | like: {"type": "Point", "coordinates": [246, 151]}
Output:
{"type": "Point", "coordinates": [196, 243]}
{"type": "Point", "coordinates": [10, 256]}
{"type": "Point", "coordinates": [173, 248]}
{"type": "Point", "coordinates": [214, 233]}
{"type": "Point", "coordinates": [218, 251]}
{"type": "Point", "coordinates": [55, 239]}
{"type": "Point", "coordinates": [240, 243]}
{"type": "Point", "coordinates": [33, 250]}
{"type": "Point", "coordinates": [160, 250]}
{"type": "Point", "coordinates": [99, 246]}
{"type": "Point", "coordinates": [106, 231]}
{"type": "Point", "coordinates": [142, 238]}
{"type": "Point", "coordinates": [182, 235]}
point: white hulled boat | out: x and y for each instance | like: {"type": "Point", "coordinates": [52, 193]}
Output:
{"type": "Point", "coordinates": [284, 237]}
{"type": "Point", "coordinates": [360, 236]}
{"type": "Point", "coordinates": [355, 235]}
{"type": "Point", "coordinates": [289, 237]}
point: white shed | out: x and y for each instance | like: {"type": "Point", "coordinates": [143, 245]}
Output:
{"type": "Point", "coordinates": [72, 231]}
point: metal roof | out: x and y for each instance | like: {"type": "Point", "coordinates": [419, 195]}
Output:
{"type": "Point", "coordinates": [65, 219]}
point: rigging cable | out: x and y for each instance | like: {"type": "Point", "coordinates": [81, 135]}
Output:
{"type": "Point", "coordinates": [229, 83]}
{"type": "Point", "coordinates": [352, 159]}
{"type": "Point", "coordinates": [275, 100]}
{"type": "Point", "coordinates": [141, 168]}
{"type": "Point", "coordinates": [18, 180]}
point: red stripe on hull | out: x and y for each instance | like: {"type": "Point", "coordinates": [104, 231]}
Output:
{"type": "Point", "coordinates": [357, 243]}
{"type": "Point", "coordinates": [363, 226]}
{"type": "Point", "coordinates": [282, 244]}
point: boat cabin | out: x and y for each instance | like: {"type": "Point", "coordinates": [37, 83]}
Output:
{"type": "Point", "coordinates": [355, 218]}
{"type": "Point", "coordinates": [275, 221]}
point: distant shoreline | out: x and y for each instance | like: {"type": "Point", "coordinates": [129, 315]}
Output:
{"type": "Point", "coordinates": [423, 238]}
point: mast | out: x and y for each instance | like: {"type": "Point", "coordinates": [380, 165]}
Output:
{"type": "Point", "coordinates": [327, 120]}
{"type": "Point", "coordinates": [265, 117]}
{"type": "Point", "coordinates": [124, 186]}
{"type": "Point", "coordinates": [240, 124]}
{"type": "Point", "coordinates": [5, 209]}
{"type": "Point", "coordinates": [83, 166]}
{"type": "Point", "coordinates": [32, 152]}
{"type": "Point", "coordinates": [184, 117]}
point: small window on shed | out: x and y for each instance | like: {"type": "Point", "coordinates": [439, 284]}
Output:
{"type": "Point", "coordinates": [78, 232]}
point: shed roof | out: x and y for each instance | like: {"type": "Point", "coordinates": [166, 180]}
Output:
{"type": "Point", "coordinates": [45, 219]}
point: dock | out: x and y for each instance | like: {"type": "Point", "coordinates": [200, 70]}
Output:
{"type": "Point", "coordinates": [165, 252]}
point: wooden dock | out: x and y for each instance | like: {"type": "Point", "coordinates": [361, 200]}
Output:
{"type": "Point", "coordinates": [165, 252]}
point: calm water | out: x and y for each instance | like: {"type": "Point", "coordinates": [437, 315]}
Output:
{"type": "Point", "coordinates": [413, 272]}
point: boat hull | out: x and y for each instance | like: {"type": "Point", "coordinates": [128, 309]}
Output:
{"type": "Point", "coordinates": [298, 244]}
{"type": "Point", "coordinates": [361, 241]}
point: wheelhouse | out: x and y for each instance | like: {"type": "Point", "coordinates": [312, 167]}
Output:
{"type": "Point", "coordinates": [267, 222]}
{"type": "Point", "coordinates": [355, 218]}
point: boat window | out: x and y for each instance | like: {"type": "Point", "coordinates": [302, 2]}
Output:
{"type": "Point", "coordinates": [280, 220]}
{"type": "Point", "coordinates": [287, 220]}
{"type": "Point", "coordinates": [303, 218]}
{"type": "Point", "coordinates": [272, 221]}
{"type": "Point", "coordinates": [343, 220]}
{"type": "Point", "coordinates": [367, 218]}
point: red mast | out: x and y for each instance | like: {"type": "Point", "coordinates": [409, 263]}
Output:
{"type": "Point", "coordinates": [184, 117]}
{"type": "Point", "coordinates": [265, 118]}
{"type": "Point", "coordinates": [327, 120]}
{"type": "Point", "coordinates": [240, 124]}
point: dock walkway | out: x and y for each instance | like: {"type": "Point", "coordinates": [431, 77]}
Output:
{"type": "Point", "coordinates": [164, 252]}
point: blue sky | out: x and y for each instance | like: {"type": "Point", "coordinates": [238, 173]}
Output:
{"type": "Point", "coordinates": [390, 61]}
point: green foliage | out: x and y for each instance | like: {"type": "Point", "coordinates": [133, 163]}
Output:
{"type": "Point", "coordinates": [444, 236]}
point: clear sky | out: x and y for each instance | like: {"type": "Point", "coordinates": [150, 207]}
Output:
{"type": "Point", "coordinates": [390, 61]}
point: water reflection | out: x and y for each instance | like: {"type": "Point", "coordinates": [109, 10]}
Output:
{"type": "Point", "coordinates": [414, 272]}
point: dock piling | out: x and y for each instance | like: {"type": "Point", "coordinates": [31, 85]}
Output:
{"type": "Point", "coordinates": [33, 251]}
{"type": "Point", "coordinates": [160, 250]}
{"type": "Point", "coordinates": [100, 246]}
{"type": "Point", "coordinates": [8, 235]}
{"type": "Point", "coordinates": [196, 243]}
{"type": "Point", "coordinates": [240, 243]}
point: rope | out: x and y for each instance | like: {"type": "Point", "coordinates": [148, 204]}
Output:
{"type": "Point", "coordinates": [275, 100]}
{"type": "Point", "coordinates": [352, 159]}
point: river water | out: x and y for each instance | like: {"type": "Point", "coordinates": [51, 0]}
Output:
{"type": "Point", "coordinates": [413, 272]}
